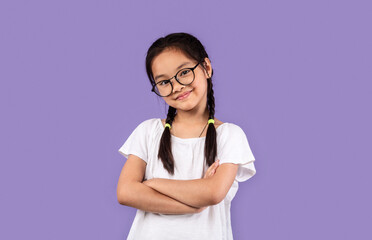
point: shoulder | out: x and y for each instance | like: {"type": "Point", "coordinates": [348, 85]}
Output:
{"type": "Point", "coordinates": [232, 128]}
{"type": "Point", "coordinates": [217, 122]}
{"type": "Point", "coordinates": [230, 131]}
{"type": "Point", "coordinates": [146, 126]}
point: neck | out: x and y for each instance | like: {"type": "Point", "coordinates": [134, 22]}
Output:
{"type": "Point", "coordinates": [190, 119]}
{"type": "Point", "coordinates": [197, 116]}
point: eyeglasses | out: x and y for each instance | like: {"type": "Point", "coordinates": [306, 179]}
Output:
{"type": "Point", "coordinates": [184, 77]}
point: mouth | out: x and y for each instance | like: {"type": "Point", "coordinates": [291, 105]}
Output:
{"type": "Point", "coordinates": [184, 95]}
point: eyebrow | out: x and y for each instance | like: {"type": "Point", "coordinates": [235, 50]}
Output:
{"type": "Point", "coordinates": [163, 75]}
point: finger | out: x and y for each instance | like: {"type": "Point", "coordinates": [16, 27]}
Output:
{"type": "Point", "coordinates": [208, 172]}
{"type": "Point", "coordinates": [212, 166]}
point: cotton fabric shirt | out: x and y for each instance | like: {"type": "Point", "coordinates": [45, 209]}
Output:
{"type": "Point", "coordinates": [214, 222]}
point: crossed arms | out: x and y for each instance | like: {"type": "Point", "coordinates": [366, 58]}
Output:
{"type": "Point", "coordinates": [169, 196]}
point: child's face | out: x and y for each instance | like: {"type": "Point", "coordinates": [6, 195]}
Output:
{"type": "Point", "coordinates": [166, 63]}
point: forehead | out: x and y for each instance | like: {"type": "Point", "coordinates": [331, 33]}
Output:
{"type": "Point", "coordinates": [167, 62]}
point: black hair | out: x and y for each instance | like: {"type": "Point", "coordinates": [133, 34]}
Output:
{"type": "Point", "coordinates": [193, 48]}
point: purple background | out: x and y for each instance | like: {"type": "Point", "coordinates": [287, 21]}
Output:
{"type": "Point", "coordinates": [295, 75]}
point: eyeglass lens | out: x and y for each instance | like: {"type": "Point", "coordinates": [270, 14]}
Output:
{"type": "Point", "coordinates": [185, 77]}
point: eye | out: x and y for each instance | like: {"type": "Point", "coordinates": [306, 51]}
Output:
{"type": "Point", "coordinates": [164, 82]}
{"type": "Point", "coordinates": [185, 72]}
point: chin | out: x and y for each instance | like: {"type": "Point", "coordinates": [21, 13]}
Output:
{"type": "Point", "coordinates": [186, 106]}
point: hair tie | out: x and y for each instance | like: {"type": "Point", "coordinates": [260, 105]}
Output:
{"type": "Point", "coordinates": [168, 125]}
{"type": "Point", "coordinates": [210, 121]}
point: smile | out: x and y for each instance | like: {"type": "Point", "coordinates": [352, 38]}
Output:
{"type": "Point", "coordinates": [184, 96]}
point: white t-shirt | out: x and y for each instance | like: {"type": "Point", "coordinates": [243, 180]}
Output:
{"type": "Point", "coordinates": [213, 222]}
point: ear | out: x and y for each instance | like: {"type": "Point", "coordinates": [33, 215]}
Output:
{"type": "Point", "coordinates": [207, 67]}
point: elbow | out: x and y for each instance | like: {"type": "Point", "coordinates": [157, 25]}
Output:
{"type": "Point", "coordinates": [216, 197]}
{"type": "Point", "coordinates": [215, 194]}
{"type": "Point", "coordinates": [123, 195]}
{"type": "Point", "coordinates": [121, 198]}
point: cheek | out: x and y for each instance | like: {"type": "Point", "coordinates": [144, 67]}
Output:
{"type": "Point", "coordinates": [200, 88]}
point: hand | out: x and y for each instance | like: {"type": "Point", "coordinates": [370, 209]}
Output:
{"type": "Point", "coordinates": [212, 169]}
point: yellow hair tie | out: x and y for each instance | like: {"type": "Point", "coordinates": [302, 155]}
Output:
{"type": "Point", "coordinates": [210, 121]}
{"type": "Point", "coordinates": [168, 125]}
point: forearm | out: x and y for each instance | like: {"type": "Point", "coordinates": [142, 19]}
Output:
{"type": "Point", "coordinates": [195, 192]}
{"type": "Point", "coordinates": [143, 197]}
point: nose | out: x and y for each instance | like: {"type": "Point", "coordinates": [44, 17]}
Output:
{"type": "Point", "coordinates": [176, 85]}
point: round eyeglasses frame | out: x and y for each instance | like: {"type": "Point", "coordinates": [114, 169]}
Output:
{"type": "Point", "coordinates": [175, 77]}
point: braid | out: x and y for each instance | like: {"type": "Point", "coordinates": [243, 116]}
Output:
{"type": "Point", "coordinates": [210, 98]}
{"type": "Point", "coordinates": [165, 148]}
{"type": "Point", "coordinates": [210, 147]}
{"type": "Point", "coordinates": [171, 114]}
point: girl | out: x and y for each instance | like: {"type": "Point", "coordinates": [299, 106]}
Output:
{"type": "Point", "coordinates": [182, 172]}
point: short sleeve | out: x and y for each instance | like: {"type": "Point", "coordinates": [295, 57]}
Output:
{"type": "Point", "coordinates": [136, 143]}
{"type": "Point", "coordinates": [233, 147]}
